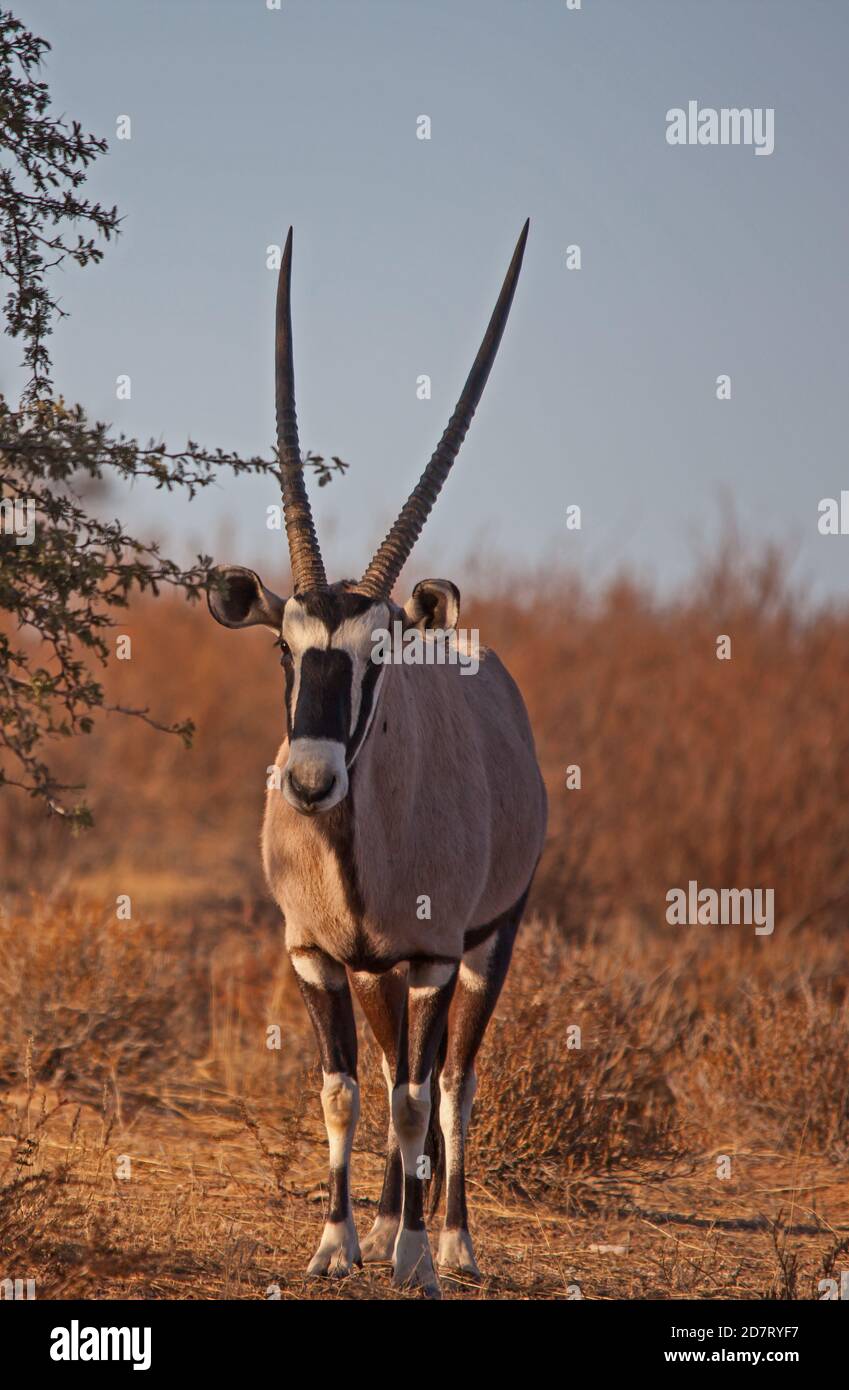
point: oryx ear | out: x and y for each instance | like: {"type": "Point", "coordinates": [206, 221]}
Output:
{"type": "Point", "coordinates": [434, 603]}
{"type": "Point", "coordinates": [238, 598]}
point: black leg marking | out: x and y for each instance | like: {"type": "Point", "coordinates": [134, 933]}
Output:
{"type": "Point", "coordinates": [339, 1204]}
{"type": "Point", "coordinates": [413, 1204]}
{"type": "Point", "coordinates": [332, 1017]}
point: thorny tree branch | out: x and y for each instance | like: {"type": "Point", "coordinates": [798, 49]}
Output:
{"type": "Point", "coordinates": [58, 591]}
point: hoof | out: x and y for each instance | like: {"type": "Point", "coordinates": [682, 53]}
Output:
{"type": "Point", "coordinates": [379, 1244]}
{"type": "Point", "coordinates": [457, 1256]}
{"type": "Point", "coordinates": [413, 1264]}
{"type": "Point", "coordinates": [338, 1252]}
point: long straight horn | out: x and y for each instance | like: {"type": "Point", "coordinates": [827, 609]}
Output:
{"type": "Point", "coordinates": [307, 565]}
{"type": "Point", "coordinates": [380, 577]}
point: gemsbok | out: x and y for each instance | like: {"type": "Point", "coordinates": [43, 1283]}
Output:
{"type": "Point", "coordinates": [401, 839]}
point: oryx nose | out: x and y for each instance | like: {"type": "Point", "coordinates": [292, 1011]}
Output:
{"type": "Point", "coordinates": [312, 791]}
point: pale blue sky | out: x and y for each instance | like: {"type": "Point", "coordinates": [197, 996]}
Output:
{"type": "Point", "coordinates": [695, 262]}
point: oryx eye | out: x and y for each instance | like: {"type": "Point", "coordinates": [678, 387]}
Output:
{"type": "Point", "coordinates": [285, 652]}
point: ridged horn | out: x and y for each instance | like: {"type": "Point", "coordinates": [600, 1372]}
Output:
{"type": "Point", "coordinates": [389, 559]}
{"type": "Point", "coordinates": [304, 553]}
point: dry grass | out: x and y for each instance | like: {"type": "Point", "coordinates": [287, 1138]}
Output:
{"type": "Point", "coordinates": [147, 1038]}
{"type": "Point", "coordinates": [612, 1143]}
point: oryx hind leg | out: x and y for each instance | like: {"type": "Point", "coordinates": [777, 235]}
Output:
{"type": "Point", "coordinates": [383, 998]}
{"type": "Point", "coordinates": [324, 986]}
{"type": "Point", "coordinates": [483, 971]}
{"type": "Point", "coordinates": [431, 986]}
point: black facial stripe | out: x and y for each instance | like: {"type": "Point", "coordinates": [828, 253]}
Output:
{"type": "Point", "coordinates": [324, 696]}
{"type": "Point", "coordinates": [373, 670]}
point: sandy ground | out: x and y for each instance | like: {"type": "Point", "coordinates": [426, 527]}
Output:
{"type": "Point", "coordinates": [224, 1203]}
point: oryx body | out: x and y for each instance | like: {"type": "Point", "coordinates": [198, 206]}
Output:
{"type": "Point", "coordinates": [401, 842]}
{"type": "Point", "coordinates": [444, 803]}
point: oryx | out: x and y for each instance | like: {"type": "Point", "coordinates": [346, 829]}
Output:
{"type": "Point", "coordinates": [402, 839]}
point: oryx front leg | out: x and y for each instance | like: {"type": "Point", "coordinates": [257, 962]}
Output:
{"type": "Point", "coordinates": [324, 986]}
{"type": "Point", "coordinates": [383, 999]}
{"type": "Point", "coordinates": [431, 985]}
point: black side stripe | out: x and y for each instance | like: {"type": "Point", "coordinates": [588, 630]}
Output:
{"type": "Point", "coordinates": [366, 701]}
{"type": "Point", "coordinates": [289, 672]}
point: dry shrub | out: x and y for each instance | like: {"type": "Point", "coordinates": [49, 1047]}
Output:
{"type": "Point", "coordinates": [50, 1231]}
{"type": "Point", "coordinates": [700, 1038]}
{"type": "Point", "coordinates": [102, 1007]}
{"type": "Point", "coordinates": [547, 1111]}
{"type": "Point", "coordinates": [87, 1001]}
{"type": "Point", "coordinates": [780, 1065]}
